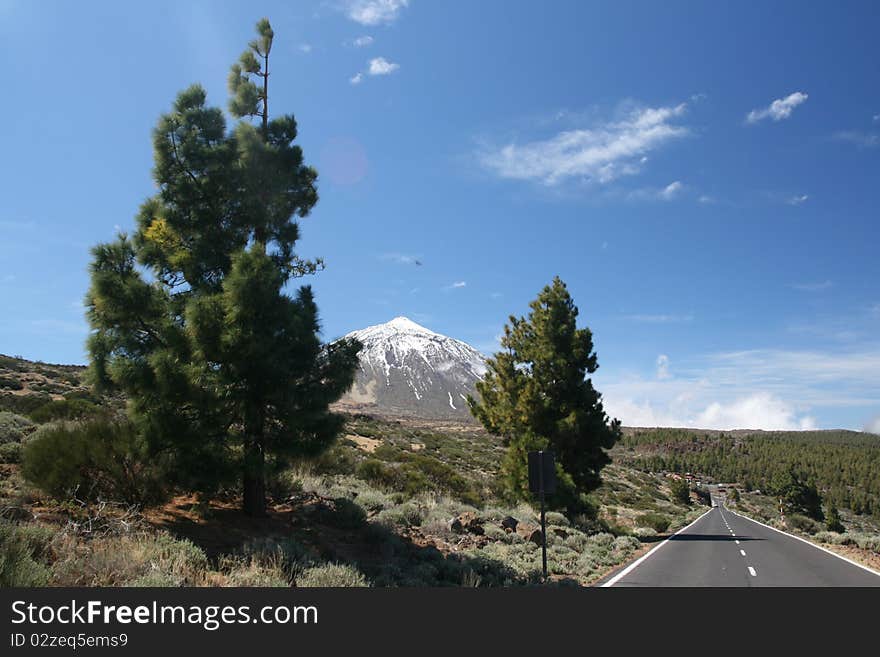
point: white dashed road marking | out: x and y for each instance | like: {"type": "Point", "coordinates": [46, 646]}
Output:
{"type": "Point", "coordinates": [752, 572]}
{"type": "Point", "coordinates": [742, 552]}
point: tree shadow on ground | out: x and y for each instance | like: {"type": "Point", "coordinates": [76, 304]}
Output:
{"type": "Point", "coordinates": [337, 531]}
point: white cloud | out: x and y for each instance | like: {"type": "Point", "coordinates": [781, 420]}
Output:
{"type": "Point", "coordinates": [873, 425]}
{"type": "Point", "coordinates": [860, 139]}
{"type": "Point", "coordinates": [601, 153]}
{"type": "Point", "coordinates": [362, 41]}
{"type": "Point", "coordinates": [375, 12]}
{"type": "Point", "coordinates": [356, 78]}
{"type": "Point", "coordinates": [799, 199]}
{"type": "Point", "coordinates": [305, 47]}
{"type": "Point", "coordinates": [756, 389]}
{"type": "Point", "coordinates": [671, 190]}
{"type": "Point", "coordinates": [381, 66]}
{"type": "Point", "coordinates": [458, 284]}
{"type": "Point", "coordinates": [706, 199]}
{"type": "Point", "coordinates": [779, 109]}
{"type": "Point", "coordinates": [813, 287]}
{"type": "Point", "coordinates": [689, 404]}
{"type": "Point", "coordinates": [756, 411]}
{"type": "Point", "coordinates": [663, 367]}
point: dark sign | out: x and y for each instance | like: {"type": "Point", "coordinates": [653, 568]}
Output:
{"type": "Point", "coordinates": [542, 472]}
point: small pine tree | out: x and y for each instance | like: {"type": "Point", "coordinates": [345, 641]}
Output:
{"type": "Point", "coordinates": [832, 520]}
{"type": "Point", "coordinates": [681, 492]}
{"type": "Point", "coordinates": [536, 395]}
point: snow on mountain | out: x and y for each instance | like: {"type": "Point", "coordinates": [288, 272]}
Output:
{"type": "Point", "coordinates": [409, 369]}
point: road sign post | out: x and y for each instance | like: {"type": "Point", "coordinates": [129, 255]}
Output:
{"type": "Point", "coordinates": [542, 480]}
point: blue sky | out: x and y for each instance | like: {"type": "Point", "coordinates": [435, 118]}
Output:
{"type": "Point", "coordinates": [702, 175]}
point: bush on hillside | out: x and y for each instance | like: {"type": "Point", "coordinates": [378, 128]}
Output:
{"type": "Point", "coordinates": [96, 460]}
{"type": "Point", "coordinates": [23, 404]}
{"type": "Point", "coordinates": [832, 520]}
{"type": "Point", "coordinates": [23, 551]}
{"type": "Point", "coordinates": [334, 575]}
{"type": "Point", "coordinates": [803, 523]}
{"type": "Point", "coordinates": [681, 492]}
{"type": "Point", "coordinates": [10, 452]}
{"type": "Point", "coordinates": [656, 521]}
{"type": "Point", "coordinates": [66, 409]}
{"type": "Point", "coordinates": [14, 428]}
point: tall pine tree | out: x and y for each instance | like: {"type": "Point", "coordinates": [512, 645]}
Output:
{"type": "Point", "coordinates": [536, 395]}
{"type": "Point", "coordinates": [225, 372]}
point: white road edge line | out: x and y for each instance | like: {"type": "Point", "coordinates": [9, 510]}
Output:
{"type": "Point", "coordinates": [752, 572]}
{"type": "Point", "coordinates": [803, 540]}
{"type": "Point", "coordinates": [626, 571]}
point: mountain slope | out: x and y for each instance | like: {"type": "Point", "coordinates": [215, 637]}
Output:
{"type": "Point", "coordinates": [406, 368]}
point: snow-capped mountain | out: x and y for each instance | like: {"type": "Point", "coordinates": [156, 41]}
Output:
{"type": "Point", "coordinates": [406, 368]}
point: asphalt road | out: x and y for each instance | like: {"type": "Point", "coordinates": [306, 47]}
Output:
{"type": "Point", "coordinates": [722, 548]}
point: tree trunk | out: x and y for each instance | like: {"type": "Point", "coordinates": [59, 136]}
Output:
{"type": "Point", "coordinates": [254, 503]}
{"type": "Point", "coordinates": [254, 481]}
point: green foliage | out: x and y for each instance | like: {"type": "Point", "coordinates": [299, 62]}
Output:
{"type": "Point", "coordinates": [536, 395]}
{"type": "Point", "coordinates": [797, 495]}
{"type": "Point", "coordinates": [680, 490]}
{"type": "Point", "coordinates": [656, 521]}
{"type": "Point", "coordinates": [223, 369]}
{"type": "Point", "coordinates": [95, 460]}
{"type": "Point", "coordinates": [131, 560]}
{"type": "Point", "coordinates": [66, 409]}
{"type": "Point", "coordinates": [842, 466]}
{"type": "Point", "coordinates": [733, 495]}
{"type": "Point", "coordinates": [418, 474]}
{"type": "Point", "coordinates": [10, 452]}
{"type": "Point", "coordinates": [832, 520]}
{"type": "Point", "coordinates": [14, 428]}
{"type": "Point", "coordinates": [10, 383]}
{"type": "Point", "coordinates": [332, 575]}
{"type": "Point", "coordinates": [23, 552]}
{"type": "Point", "coordinates": [802, 523]}
{"type": "Point", "coordinates": [22, 404]}
{"type": "Point", "coordinates": [345, 514]}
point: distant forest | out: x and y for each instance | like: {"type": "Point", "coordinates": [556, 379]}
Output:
{"type": "Point", "coordinates": [843, 465]}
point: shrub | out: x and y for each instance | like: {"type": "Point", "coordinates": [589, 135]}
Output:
{"type": "Point", "coordinates": [10, 383]}
{"type": "Point", "coordinates": [373, 501]}
{"type": "Point", "coordinates": [407, 514]}
{"type": "Point", "coordinates": [10, 452]}
{"type": "Point", "coordinates": [803, 523]}
{"type": "Point", "coordinates": [129, 560]}
{"type": "Point", "coordinates": [23, 550]}
{"type": "Point", "coordinates": [332, 574]}
{"type": "Point", "coordinates": [656, 521]}
{"type": "Point", "coordinates": [345, 515]}
{"type": "Point", "coordinates": [66, 409]}
{"type": "Point", "coordinates": [14, 428]}
{"type": "Point", "coordinates": [681, 492]}
{"type": "Point", "coordinates": [832, 520]}
{"type": "Point", "coordinates": [338, 460]}
{"type": "Point", "coordinates": [23, 403]}
{"type": "Point", "coordinates": [95, 460]}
